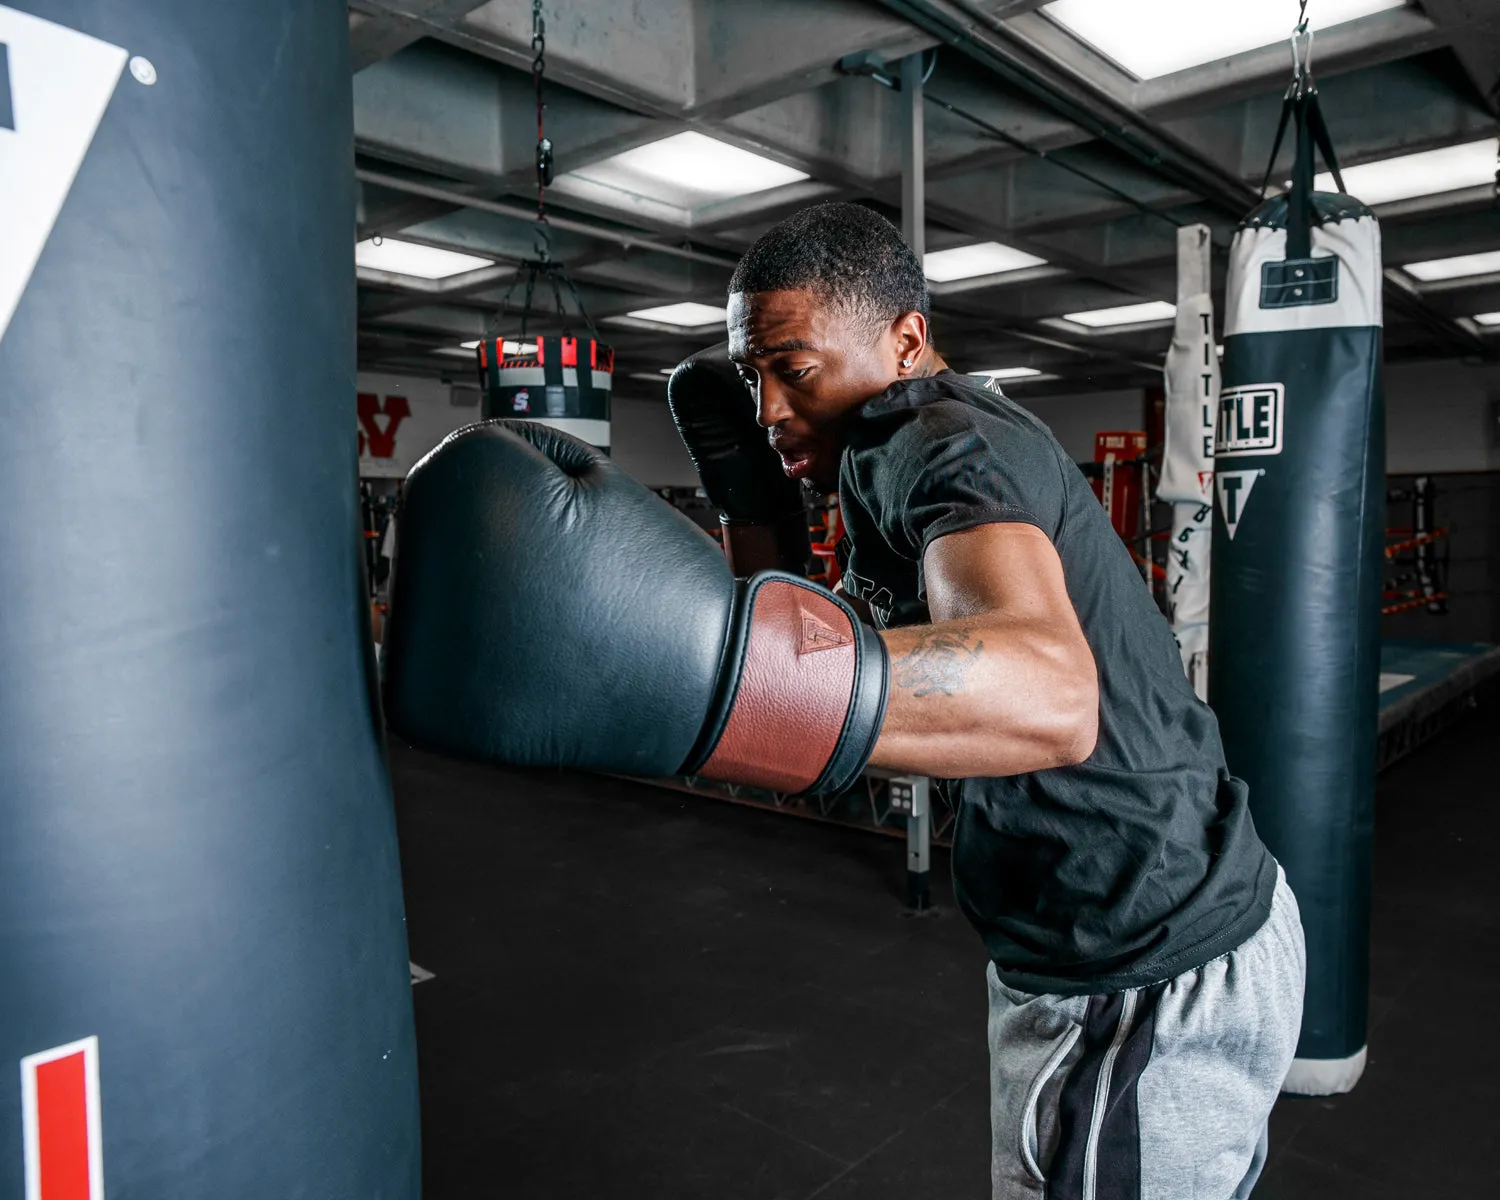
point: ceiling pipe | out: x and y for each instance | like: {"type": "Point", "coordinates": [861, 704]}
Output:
{"type": "Point", "coordinates": [619, 237]}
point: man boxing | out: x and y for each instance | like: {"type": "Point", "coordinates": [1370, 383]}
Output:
{"type": "Point", "coordinates": [1146, 955]}
{"type": "Point", "coordinates": [1147, 962]}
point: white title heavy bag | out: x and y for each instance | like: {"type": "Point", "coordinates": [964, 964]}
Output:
{"type": "Point", "coordinates": [1187, 477]}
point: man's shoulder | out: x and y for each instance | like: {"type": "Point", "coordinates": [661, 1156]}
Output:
{"type": "Point", "coordinates": [915, 420]}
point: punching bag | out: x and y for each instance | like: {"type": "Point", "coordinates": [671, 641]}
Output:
{"type": "Point", "coordinates": [564, 383]}
{"type": "Point", "coordinates": [1297, 557]}
{"type": "Point", "coordinates": [1191, 379]}
{"type": "Point", "coordinates": [203, 974]}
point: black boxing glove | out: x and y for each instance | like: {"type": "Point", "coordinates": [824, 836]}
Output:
{"type": "Point", "coordinates": [761, 510]}
{"type": "Point", "coordinates": [546, 609]}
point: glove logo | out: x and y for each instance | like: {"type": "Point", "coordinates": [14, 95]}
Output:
{"type": "Point", "coordinates": [817, 634]}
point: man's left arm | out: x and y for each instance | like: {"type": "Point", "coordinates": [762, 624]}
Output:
{"type": "Point", "coordinates": [1003, 681]}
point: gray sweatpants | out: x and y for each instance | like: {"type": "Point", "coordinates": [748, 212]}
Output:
{"type": "Point", "coordinates": [1159, 1093]}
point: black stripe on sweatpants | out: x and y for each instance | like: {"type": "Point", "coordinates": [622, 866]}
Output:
{"type": "Point", "coordinates": [1118, 1168]}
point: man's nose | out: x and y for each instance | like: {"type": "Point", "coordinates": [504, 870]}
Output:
{"type": "Point", "coordinates": [771, 406]}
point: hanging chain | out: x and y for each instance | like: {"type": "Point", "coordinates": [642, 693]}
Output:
{"type": "Point", "coordinates": [542, 266]}
{"type": "Point", "coordinates": [543, 142]}
{"type": "Point", "coordinates": [1302, 18]}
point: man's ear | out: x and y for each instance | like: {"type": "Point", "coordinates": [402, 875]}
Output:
{"type": "Point", "coordinates": [909, 332]}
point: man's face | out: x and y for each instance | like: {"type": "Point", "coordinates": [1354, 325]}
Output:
{"type": "Point", "coordinates": [810, 366]}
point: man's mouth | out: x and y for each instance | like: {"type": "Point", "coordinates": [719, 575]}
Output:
{"type": "Point", "coordinates": [796, 459]}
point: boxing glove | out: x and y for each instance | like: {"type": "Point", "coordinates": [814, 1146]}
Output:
{"type": "Point", "coordinates": [546, 609]}
{"type": "Point", "coordinates": [761, 510]}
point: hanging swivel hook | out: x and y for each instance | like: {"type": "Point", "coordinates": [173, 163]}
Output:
{"type": "Point", "coordinates": [1302, 48]}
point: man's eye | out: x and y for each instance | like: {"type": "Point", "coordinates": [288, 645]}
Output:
{"type": "Point", "coordinates": [794, 373]}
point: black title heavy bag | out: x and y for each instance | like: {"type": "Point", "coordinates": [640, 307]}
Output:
{"type": "Point", "coordinates": [1297, 553]}
{"type": "Point", "coordinates": [203, 978]}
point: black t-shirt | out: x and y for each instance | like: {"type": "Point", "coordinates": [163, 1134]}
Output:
{"type": "Point", "coordinates": [1141, 862]}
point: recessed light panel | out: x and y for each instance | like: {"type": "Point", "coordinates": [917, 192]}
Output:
{"type": "Point", "coordinates": [1156, 37]}
{"type": "Point", "coordinates": [983, 258]}
{"type": "Point", "coordinates": [1454, 268]}
{"type": "Point", "coordinates": [688, 314]}
{"type": "Point", "coordinates": [1128, 314]}
{"type": "Point", "coordinates": [409, 258]}
{"type": "Point", "coordinates": [1424, 174]}
{"type": "Point", "coordinates": [1008, 372]}
{"type": "Point", "coordinates": [1486, 318]}
{"type": "Point", "coordinates": [688, 170]}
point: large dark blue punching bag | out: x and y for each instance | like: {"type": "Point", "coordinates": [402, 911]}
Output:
{"type": "Point", "coordinates": [1297, 556]}
{"type": "Point", "coordinates": [203, 983]}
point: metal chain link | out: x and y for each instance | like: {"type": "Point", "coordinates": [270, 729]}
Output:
{"type": "Point", "coordinates": [543, 142]}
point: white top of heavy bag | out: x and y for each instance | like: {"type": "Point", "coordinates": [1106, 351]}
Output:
{"type": "Point", "coordinates": [1344, 229]}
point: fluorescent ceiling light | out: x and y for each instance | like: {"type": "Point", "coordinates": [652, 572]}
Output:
{"type": "Point", "coordinates": [420, 262]}
{"type": "Point", "coordinates": [688, 170]}
{"type": "Point", "coordinates": [1455, 268]}
{"type": "Point", "coordinates": [509, 348]}
{"type": "Point", "coordinates": [1128, 314]}
{"type": "Point", "coordinates": [983, 258]}
{"type": "Point", "coordinates": [1156, 37]}
{"type": "Point", "coordinates": [688, 314]}
{"type": "Point", "coordinates": [1486, 318]}
{"type": "Point", "coordinates": [1424, 174]}
{"type": "Point", "coordinates": [1008, 372]}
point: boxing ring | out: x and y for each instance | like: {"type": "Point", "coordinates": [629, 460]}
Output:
{"type": "Point", "coordinates": [1426, 686]}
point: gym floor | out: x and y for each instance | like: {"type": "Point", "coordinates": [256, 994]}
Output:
{"type": "Point", "coordinates": [641, 993]}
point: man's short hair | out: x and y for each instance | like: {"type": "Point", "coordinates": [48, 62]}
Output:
{"type": "Point", "coordinates": [845, 252]}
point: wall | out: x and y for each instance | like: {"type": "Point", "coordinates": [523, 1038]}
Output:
{"type": "Point", "coordinates": [1468, 506]}
{"type": "Point", "coordinates": [645, 443]}
{"type": "Point", "coordinates": [401, 418]}
{"type": "Point", "coordinates": [1441, 417]}
{"type": "Point", "coordinates": [1075, 419]}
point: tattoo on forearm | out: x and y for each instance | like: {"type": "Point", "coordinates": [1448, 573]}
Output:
{"type": "Point", "coordinates": [937, 663]}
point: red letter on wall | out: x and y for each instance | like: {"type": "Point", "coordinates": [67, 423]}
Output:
{"type": "Point", "coordinates": [381, 442]}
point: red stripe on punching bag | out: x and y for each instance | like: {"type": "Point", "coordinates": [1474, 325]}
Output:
{"type": "Point", "coordinates": [60, 1122]}
{"type": "Point", "coordinates": [570, 352]}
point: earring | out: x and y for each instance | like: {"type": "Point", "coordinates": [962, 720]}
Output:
{"type": "Point", "coordinates": [906, 362]}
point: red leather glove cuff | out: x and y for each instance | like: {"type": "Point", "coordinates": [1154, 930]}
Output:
{"type": "Point", "coordinates": [805, 691]}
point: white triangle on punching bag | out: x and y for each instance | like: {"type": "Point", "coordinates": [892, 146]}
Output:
{"type": "Point", "coordinates": [55, 84]}
{"type": "Point", "coordinates": [1234, 493]}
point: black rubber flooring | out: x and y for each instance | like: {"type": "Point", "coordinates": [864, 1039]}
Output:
{"type": "Point", "coordinates": [640, 993]}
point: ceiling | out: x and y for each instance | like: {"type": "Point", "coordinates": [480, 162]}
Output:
{"type": "Point", "coordinates": [1033, 139]}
